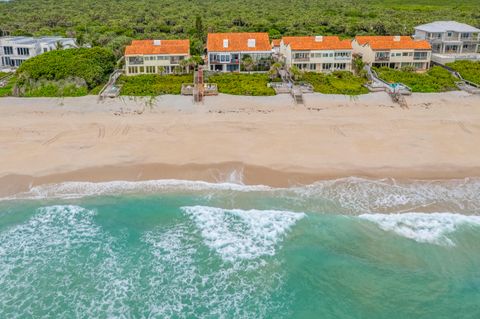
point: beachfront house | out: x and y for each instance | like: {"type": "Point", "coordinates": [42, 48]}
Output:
{"type": "Point", "coordinates": [317, 53]}
{"type": "Point", "coordinates": [450, 40]}
{"type": "Point", "coordinates": [276, 46]}
{"type": "Point", "coordinates": [393, 51]}
{"type": "Point", "coordinates": [234, 52]}
{"type": "Point", "coordinates": [15, 50]}
{"type": "Point", "coordinates": [155, 56]}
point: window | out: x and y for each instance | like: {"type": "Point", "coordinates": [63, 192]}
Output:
{"type": "Point", "coordinates": [8, 50]}
{"type": "Point", "coordinates": [342, 55]}
{"type": "Point", "coordinates": [340, 66]}
{"type": "Point", "coordinates": [45, 50]}
{"type": "Point", "coordinates": [301, 55]}
{"type": "Point", "coordinates": [313, 67]}
{"type": "Point", "coordinates": [325, 55]}
{"type": "Point", "coordinates": [150, 69]}
{"type": "Point", "coordinates": [326, 66]}
{"type": "Point", "coordinates": [135, 59]}
{"type": "Point", "coordinates": [405, 54]}
{"type": "Point", "coordinates": [449, 34]}
{"type": "Point", "coordinates": [141, 69]}
{"type": "Point", "coordinates": [23, 51]}
{"type": "Point", "coordinates": [132, 70]}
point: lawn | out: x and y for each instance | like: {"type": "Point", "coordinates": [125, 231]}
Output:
{"type": "Point", "coordinates": [339, 82]}
{"type": "Point", "coordinates": [435, 79]}
{"type": "Point", "coordinates": [254, 84]}
{"type": "Point", "coordinates": [469, 70]}
{"type": "Point", "coordinates": [153, 84]}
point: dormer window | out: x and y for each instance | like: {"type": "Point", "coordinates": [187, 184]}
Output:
{"type": "Point", "coordinates": [225, 43]}
{"type": "Point", "coordinates": [251, 43]}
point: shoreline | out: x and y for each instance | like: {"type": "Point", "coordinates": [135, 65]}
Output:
{"type": "Point", "coordinates": [235, 173]}
{"type": "Point", "coordinates": [267, 140]}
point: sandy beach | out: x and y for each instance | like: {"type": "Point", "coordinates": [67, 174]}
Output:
{"type": "Point", "coordinates": [256, 140]}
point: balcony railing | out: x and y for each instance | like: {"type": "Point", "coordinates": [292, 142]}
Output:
{"type": "Point", "coordinates": [343, 57]}
{"type": "Point", "coordinates": [302, 59]}
{"type": "Point", "coordinates": [382, 58]}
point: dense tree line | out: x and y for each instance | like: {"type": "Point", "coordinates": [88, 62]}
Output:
{"type": "Point", "coordinates": [113, 23]}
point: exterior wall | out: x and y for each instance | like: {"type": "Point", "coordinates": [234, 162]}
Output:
{"type": "Point", "coordinates": [231, 61]}
{"type": "Point", "coordinates": [15, 50]}
{"type": "Point", "coordinates": [152, 64]}
{"type": "Point", "coordinates": [318, 60]}
{"type": "Point", "coordinates": [419, 59]}
{"type": "Point", "coordinates": [451, 42]}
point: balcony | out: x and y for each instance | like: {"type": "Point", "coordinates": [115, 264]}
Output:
{"type": "Point", "coordinates": [382, 58]}
{"type": "Point", "coordinates": [343, 58]}
{"type": "Point", "coordinates": [307, 59]}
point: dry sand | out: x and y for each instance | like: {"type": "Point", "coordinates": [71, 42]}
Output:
{"type": "Point", "coordinates": [268, 139]}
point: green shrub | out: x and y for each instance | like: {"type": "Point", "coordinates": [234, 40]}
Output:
{"type": "Point", "coordinates": [8, 89]}
{"type": "Point", "coordinates": [254, 84]}
{"type": "Point", "coordinates": [435, 79]}
{"type": "Point", "coordinates": [153, 84]}
{"type": "Point", "coordinates": [469, 70]}
{"type": "Point", "coordinates": [89, 66]}
{"type": "Point", "coordinates": [338, 82]}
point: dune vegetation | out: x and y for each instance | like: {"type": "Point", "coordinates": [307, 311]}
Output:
{"type": "Point", "coordinates": [71, 72]}
{"type": "Point", "coordinates": [436, 79]}
{"type": "Point", "coordinates": [469, 70]}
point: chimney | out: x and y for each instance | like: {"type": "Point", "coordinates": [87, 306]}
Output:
{"type": "Point", "coordinates": [396, 38]}
{"type": "Point", "coordinates": [251, 43]}
{"type": "Point", "coordinates": [157, 42]}
{"type": "Point", "coordinates": [319, 38]}
{"type": "Point", "coordinates": [225, 43]}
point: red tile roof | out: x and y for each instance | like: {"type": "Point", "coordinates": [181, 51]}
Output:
{"type": "Point", "coordinates": [166, 47]}
{"type": "Point", "coordinates": [388, 43]}
{"type": "Point", "coordinates": [276, 42]}
{"type": "Point", "coordinates": [238, 42]}
{"type": "Point", "coordinates": [310, 43]}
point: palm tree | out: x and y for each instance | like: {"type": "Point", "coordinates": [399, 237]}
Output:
{"type": "Point", "coordinates": [161, 70]}
{"type": "Point", "coordinates": [185, 65]}
{"type": "Point", "coordinates": [58, 45]}
{"type": "Point", "coordinates": [248, 63]}
{"type": "Point", "coordinates": [178, 69]}
{"type": "Point", "coordinates": [273, 72]}
{"type": "Point", "coordinates": [295, 71]}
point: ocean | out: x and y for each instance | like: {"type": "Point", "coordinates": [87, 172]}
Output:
{"type": "Point", "coordinates": [346, 248]}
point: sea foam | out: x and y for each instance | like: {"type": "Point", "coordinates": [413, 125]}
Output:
{"type": "Point", "coordinates": [242, 234]}
{"type": "Point", "coordinates": [68, 190]}
{"type": "Point", "coordinates": [64, 244]}
{"type": "Point", "coordinates": [430, 228]}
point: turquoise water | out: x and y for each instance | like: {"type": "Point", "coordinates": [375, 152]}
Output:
{"type": "Point", "coordinates": [349, 248]}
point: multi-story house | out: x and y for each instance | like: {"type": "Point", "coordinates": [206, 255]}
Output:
{"type": "Point", "coordinates": [228, 52]}
{"type": "Point", "coordinates": [450, 40]}
{"type": "Point", "coordinates": [15, 50]}
{"type": "Point", "coordinates": [393, 51]}
{"type": "Point", "coordinates": [317, 53]}
{"type": "Point", "coordinates": [276, 46]}
{"type": "Point", "coordinates": [155, 56]}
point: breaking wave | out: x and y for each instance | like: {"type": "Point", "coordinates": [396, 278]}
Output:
{"type": "Point", "coordinates": [432, 228]}
{"type": "Point", "coordinates": [242, 234]}
{"type": "Point", "coordinates": [351, 195]}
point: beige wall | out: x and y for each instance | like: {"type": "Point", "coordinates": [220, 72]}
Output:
{"type": "Point", "coordinates": [152, 63]}
{"type": "Point", "coordinates": [394, 56]}
{"type": "Point", "coordinates": [318, 58]}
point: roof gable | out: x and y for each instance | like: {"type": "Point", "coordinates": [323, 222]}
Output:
{"type": "Point", "coordinates": [393, 42]}
{"type": "Point", "coordinates": [149, 47]}
{"type": "Point", "coordinates": [317, 43]}
{"type": "Point", "coordinates": [242, 41]}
